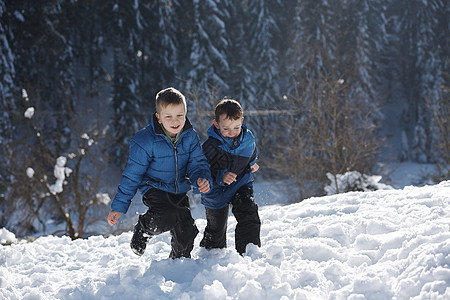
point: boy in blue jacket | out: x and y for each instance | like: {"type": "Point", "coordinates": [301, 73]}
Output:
{"type": "Point", "coordinates": [231, 153]}
{"type": "Point", "coordinates": [165, 159]}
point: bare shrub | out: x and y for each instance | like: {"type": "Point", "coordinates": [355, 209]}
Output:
{"type": "Point", "coordinates": [328, 131]}
{"type": "Point", "coordinates": [49, 187]}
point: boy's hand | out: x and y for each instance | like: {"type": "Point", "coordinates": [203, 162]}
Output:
{"type": "Point", "coordinates": [203, 185]}
{"type": "Point", "coordinates": [113, 217]}
{"type": "Point", "coordinates": [229, 178]}
{"type": "Point", "coordinates": [254, 168]}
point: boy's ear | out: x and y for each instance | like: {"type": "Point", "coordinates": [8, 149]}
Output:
{"type": "Point", "coordinates": [157, 116]}
{"type": "Point", "coordinates": [216, 124]}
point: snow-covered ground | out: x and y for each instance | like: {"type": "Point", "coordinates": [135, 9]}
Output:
{"type": "Point", "coordinates": [387, 244]}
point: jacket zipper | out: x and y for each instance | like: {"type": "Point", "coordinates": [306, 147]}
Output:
{"type": "Point", "coordinates": [176, 161]}
{"type": "Point", "coordinates": [176, 169]}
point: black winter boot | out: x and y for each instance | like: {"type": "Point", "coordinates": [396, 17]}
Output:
{"type": "Point", "coordinates": [139, 240]}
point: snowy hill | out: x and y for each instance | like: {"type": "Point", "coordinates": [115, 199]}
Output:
{"type": "Point", "coordinates": [387, 244]}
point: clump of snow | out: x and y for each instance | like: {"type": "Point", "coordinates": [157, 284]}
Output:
{"type": "Point", "coordinates": [86, 137]}
{"type": "Point", "coordinates": [60, 172]}
{"type": "Point", "coordinates": [7, 237]}
{"type": "Point", "coordinates": [25, 95]}
{"type": "Point", "coordinates": [30, 172]}
{"type": "Point", "coordinates": [29, 113]}
{"type": "Point", "coordinates": [385, 244]}
{"type": "Point", "coordinates": [103, 198]}
{"type": "Point", "coordinates": [19, 16]}
{"type": "Point", "coordinates": [354, 181]}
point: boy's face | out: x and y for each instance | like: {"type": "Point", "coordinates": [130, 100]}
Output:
{"type": "Point", "coordinates": [172, 118]}
{"type": "Point", "coordinates": [229, 128]}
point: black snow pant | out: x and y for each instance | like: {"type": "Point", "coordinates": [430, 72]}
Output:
{"type": "Point", "coordinates": [248, 226]}
{"type": "Point", "coordinates": [169, 212]}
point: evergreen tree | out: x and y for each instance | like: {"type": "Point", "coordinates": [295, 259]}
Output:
{"type": "Point", "coordinates": [311, 42]}
{"type": "Point", "coordinates": [419, 66]}
{"type": "Point", "coordinates": [240, 77]}
{"type": "Point", "coordinates": [160, 46]}
{"type": "Point", "coordinates": [44, 70]}
{"type": "Point", "coordinates": [440, 107]}
{"type": "Point", "coordinates": [332, 91]}
{"type": "Point", "coordinates": [343, 38]}
{"type": "Point", "coordinates": [7, 106]}
{"type": "Point", "coordinates": [127, 116]}
{"type": "Point", "coordinates": [365, 37]}
{"type": "Point", "coordinates": [208, 60]}
{"type": "Point", "coordinates": [255, 32]}
{"type": "Point", "coordinates": [7, 72]}
{"type": "Point", "coordinates": [45, 62]}
{"type": "Point", "coordinates": [264, 33]}
{"type": "Point", "coordinates": [146, 60]}
{"type": "Point", "coordinates": [90, 36]}
{"type": "Point", "coordinates": [7, 63]}
{"type": "Point", "coordinates": [44, 65]}
{"type": "Point", "coordinates": [267, 38]}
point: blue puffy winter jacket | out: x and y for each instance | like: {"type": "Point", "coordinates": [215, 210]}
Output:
{"type": "Point", "coordinates": [226, 154]}
{"type": "Point", "coordinates": [154, 162]}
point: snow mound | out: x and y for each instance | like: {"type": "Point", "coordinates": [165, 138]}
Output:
{"type": "Point", "coordinates": [386, 244]}
{"type": "Point", "coordinates": [7, 237]}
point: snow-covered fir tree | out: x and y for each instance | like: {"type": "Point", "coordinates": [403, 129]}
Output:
{"type": "Point", "coordinates": [208, 59]}
{"type": "Point", "coordinates": [7, 106]}
{"type": "Point", "coordinates": [127, 116]}
{"type": "Point", "coordinates": [89, 36]}
{"type": "Point", "coordinates": [419, 66]}
{"type": "Point", "coordinates": [159, 47]}
{"type": "Point", "coordinates": [331, 93]}
{"type": "Point", "coordinates": [363, 27]}
{"type": "Point", "coordinates": [6, 65]}
{"type": "Point", "coordinates": [264, 33]}
{"type": "Point", "coordinates": [240, 77]}
{"type": "Point", "coordinates": [7, 72]}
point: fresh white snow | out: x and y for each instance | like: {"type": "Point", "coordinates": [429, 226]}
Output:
{"type": "Point", "coordinates": [29, 113]}
{"type": "Point", "coordinates": [61, 172]}
{"type": "Point", "coordinates": [387, 244]}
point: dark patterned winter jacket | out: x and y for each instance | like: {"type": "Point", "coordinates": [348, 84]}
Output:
{"type": "Point", "coordinates": [228, 155]}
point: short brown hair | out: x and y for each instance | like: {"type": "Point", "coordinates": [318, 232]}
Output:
{"type": "Point", "coordinates": [229, 107]}
{"type": "Point", "coordinates": [169, 96]}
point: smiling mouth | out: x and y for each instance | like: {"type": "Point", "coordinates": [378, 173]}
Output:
{"type": "Point", "coordinates": [175, 127]}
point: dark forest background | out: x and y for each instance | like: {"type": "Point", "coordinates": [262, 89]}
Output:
{"type": "Point", "coordinates": [327, 87]}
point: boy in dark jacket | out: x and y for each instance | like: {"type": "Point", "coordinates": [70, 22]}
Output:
{"type": "Point", "coordinates": [231, 153]}
{"type": "Point", "coordinates": [165, 159]}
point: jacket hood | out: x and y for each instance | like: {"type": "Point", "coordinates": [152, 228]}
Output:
{"type": "Point", "coordinates": [230, 142]}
